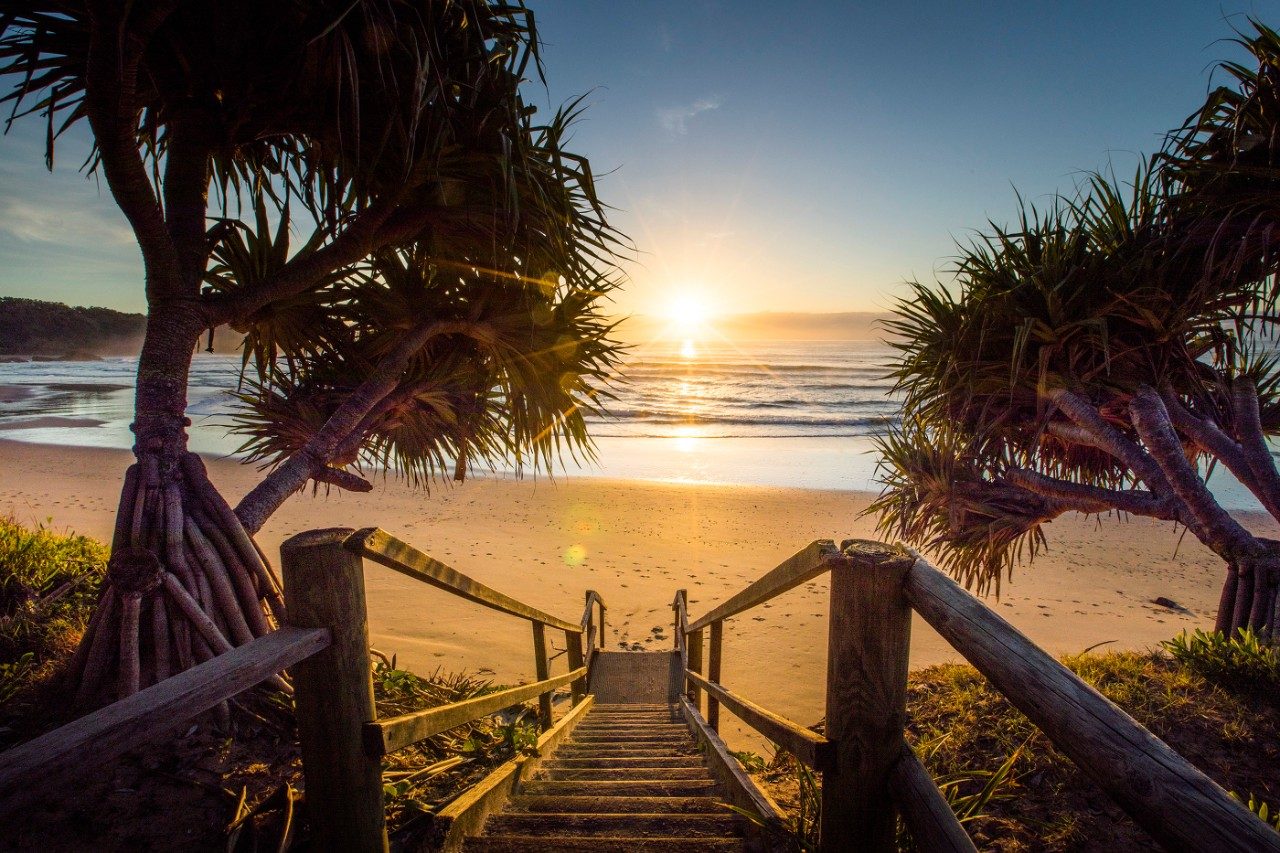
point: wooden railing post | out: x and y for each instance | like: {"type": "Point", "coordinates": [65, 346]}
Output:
{"type": "Point", "coordinates": [713, 672]}
{"type": "Point", "coordinates": [868, 646]}
{"type": "Point", "coordinates": [324, 588]}
{"type": "Point", "coordinates": [573, 643]}
{"type": "Point", "coordinates": [543, 672]}
{"type": "Point", "coordinates": [695, 665]}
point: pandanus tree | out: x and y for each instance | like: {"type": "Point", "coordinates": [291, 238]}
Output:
{"type": "Point", "coordinates": [1105, 355]}
{"type": "Point", "coordinates": [442, 312]}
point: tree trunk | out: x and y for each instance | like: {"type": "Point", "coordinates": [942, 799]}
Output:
{"type": "Point", "coordinates": [1249, 595]}
{"type": "Point", "coordinates": [184, 581]}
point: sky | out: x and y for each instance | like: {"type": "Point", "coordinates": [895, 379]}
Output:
{"type": "Point", "coordinates": [769, 156]}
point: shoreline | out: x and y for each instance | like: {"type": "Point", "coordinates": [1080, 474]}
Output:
{"type": "Point", "coordinates": [636, 542]}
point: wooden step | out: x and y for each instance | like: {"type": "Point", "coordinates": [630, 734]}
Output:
{"type": "Point", "coordinates": [616, 805]}
{"type": "Point", "coordinates": [622, 824]}
{"type": "Point", "coordinates": [631, 734]}
{"type": "Point", "coordinates": [601, 844]}
{"type": "Point", "coordinates": [638, 740]}
{"type": "Point", "coordinates": [676, 747]}
{"type": "Point", "coordinates": [623, 753]}
{"type": "Point", "coordinates": [574, 748]}
{"type": "Point", "coordinates": [615, 751]}
{"type": "Point", "coordinates": [622, 726]}
{"type": "Point", "coordinates": [631, 731]}
{"type": "Point", "coordinates": [621, 787]}
{"type": "Point", "coordinates": [658, 721]}
{"type": "Point", "coordinates": [601, 762]}
{"type": "Point", "coordinates": [624, 774]}
{"type": "Point", "coordinates": [660, 718]}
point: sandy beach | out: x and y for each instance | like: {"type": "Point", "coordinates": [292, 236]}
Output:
{"type": "Point", "coordinates": [636, 542]}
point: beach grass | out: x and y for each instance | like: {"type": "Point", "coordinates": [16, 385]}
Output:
{"type": "Point", "coordinates": [969, 737]}
{"type": "Point", "coordinates": [48, 584]}
{"type": "Point", "coordinates": [247, 781]}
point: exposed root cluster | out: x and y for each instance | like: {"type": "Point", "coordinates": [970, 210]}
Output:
{"type": "Point", "coordinates": [185, 583]}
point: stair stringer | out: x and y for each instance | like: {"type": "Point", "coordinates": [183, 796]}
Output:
{"type": "Point", "coordinates": [739, 788]}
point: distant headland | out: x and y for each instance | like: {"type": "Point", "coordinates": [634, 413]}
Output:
{"type": "Point", "coordinates": [35, 330]}
{"type": "Point", "coordinates": [52, 330]}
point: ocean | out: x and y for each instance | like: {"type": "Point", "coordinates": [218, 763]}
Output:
{"type": "Point", "coordinates": [783, 413]}
{"type": "Point", "coordinates": [777, 413]}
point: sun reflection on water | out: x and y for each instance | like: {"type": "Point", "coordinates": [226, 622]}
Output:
{"type": "Point", "coordinates": [688, 439]}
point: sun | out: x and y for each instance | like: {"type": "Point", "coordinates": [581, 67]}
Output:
{"type": "Point", "coordinates": [688, 314]}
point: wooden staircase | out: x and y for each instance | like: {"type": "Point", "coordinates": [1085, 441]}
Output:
{"type": "Point", "coordinates": [630, 777]}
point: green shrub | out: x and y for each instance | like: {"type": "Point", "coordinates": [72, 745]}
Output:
{"type": "Point", "coordinates": [420, 778]}
{"type": "Point", "coordinates": [48, 585]}
{"type": "Point", "coordinates": [1271, 817]}
{"type": "Point", "coordinates": [1242, 661]}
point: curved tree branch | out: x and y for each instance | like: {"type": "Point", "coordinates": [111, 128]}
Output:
{"type": "Point", "coordinates": [111, 76]}
{"type": "Point", "coordinates": [1106, 437]}
{"type": "Point", "coordinates": [1151, 419]}
{"type": "Point", "coordinates": [1253, 445]}
{"type": "Point", "coordinates": [1096, 499]}
{"type": "Point", "coordinates": [186, 193]}
{"type": "Point", "coordinates": [1075, 434]}
{"type": "Point", "coordinates": [313, 458]}
{"type": "Point", "coordinates": [1265, 486]}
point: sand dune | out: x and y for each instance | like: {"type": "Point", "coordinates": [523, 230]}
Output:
{"type": "Point", "coordinates": [636, 542]}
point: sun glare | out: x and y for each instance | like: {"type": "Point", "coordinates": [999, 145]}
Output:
{"type": "Point", "coordinates": [688, 314]}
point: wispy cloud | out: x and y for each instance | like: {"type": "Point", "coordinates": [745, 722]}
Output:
{"type": "Point", "coordinates": [55, 223]}
{"type": "Point", "coordinates": [676, 119]}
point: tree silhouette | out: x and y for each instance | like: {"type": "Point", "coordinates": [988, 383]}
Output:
{"type": "Point", "coordinates": [444, 310]}
{"type": "Point", "coordinates": [1104, 355]}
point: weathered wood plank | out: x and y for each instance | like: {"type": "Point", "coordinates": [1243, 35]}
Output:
{"type": "Point", "coordinates": [573, 647]}
{"type": "Point", "coordinates": [588, 621]}
{"type": "Point", "coordinates": [384, 736]}
{"type": "Point", "coordinates": [541, 670]}
{"type": "Point", "coordinates": [867, 651]}
{"type": "Point", "coordinates": [811, 748]}
{"type": "Point", "coordinates": [333, 693]}
{"type": "Point", "coordinates": [714, 655]}
{"type": "Point", "coordinates": [695, 665]}
{"type": "Point", "coordinates": [466, 815]}
{"type": "Point", "coordinates": [27, 771]}
{"type": "Point", "coordinates": [1180, 806]}
{"type": "Point", "coordinates": [385, 549]}
{"type": "Point", "coordinates": [803, 566]}
{"type": "Point", "coordinates": [933, 824]}
{"type": "Point", "coordinates": [680, 622]}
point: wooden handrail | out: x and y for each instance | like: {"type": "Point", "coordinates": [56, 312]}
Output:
{"type": "Point", "coordinates": [147, 714]}
{"type": "Point", "coordinates": [1162, 791]}
{"type": "Point", "coordinates": [805, 565]}
{"type": "Point", "coordinates": [680, 613]}
{"type": "Point", "coordinates": [871, 598]}
{"type": "Point", "coordinates": [588, 624]}
{"type": "Point", "coordinates": [384, 736]}
{"type": "Point", "coordinates": [342, 740]}
{"type": "Point", "coordinates": [924, 809]}
{"type": "Point", "coordinates": [383, 548]}
{"type": "Point", "coordinates": [811, 748]}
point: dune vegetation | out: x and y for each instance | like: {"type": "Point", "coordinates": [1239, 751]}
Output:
{"type": "Point", "coordinates": [237, 787]}
{"type": "Point", "coordinates": [1212, 699]}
